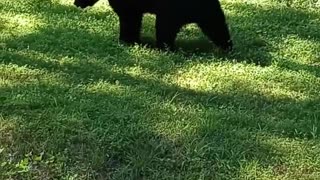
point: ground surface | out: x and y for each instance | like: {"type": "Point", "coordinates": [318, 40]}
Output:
{"type": "Point", "coordinates": [74, 104]}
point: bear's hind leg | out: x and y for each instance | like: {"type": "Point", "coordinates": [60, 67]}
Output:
{"type": "Point", "coordinates": [215, 28]}
{"type": "Point", "coordinates": [166, 31]}
{"type": "Point", "coordinates": [130, 25]}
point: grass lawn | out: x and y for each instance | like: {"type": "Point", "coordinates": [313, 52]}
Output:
{"type": "Point", "coordinates": [75, 104]}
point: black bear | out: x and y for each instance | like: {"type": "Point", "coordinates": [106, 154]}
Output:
{"type": "Point", "coordinates": [171, 15]}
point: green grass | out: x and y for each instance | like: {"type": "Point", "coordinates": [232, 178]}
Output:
{"type": "Point", "coordinates": [75, 104]}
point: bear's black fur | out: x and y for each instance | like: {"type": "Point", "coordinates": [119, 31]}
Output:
{"type": "Point", "coordinates": [171, 15]}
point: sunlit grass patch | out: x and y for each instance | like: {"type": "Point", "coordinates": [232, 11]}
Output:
{"type": "Point", "coordinates": [18, 25]}
{"type": "Point", "coordinates": [300, 50]}
{"type": "Point", "coordinates": [234, 78]}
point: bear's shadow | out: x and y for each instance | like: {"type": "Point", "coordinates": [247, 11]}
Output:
{"type": "Point", "coordinates": [195, 45]}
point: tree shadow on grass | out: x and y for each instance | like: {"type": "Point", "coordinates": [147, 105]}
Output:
{"type": "Point", "coordinates": [285, 21]}
{"type": "Point", "coordinates": [116, 131]}
{"type": "Point", "coordinates": [112, 136]}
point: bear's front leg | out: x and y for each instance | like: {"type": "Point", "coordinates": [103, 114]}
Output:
{"type": "Point", "coordinates": [166, 31]}
{"type": "Point", "coordinates": [130, 25]}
